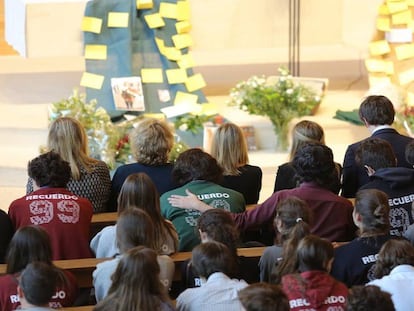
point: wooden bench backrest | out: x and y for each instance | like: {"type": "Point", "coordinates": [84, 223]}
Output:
{"type": "Point", "coordinates": [83, 268]}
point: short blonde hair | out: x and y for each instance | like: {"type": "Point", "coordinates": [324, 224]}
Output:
{"type": "Point", "coordinates": [304, 132]}
{"type": "Point", "coordinates": [151, 141]}
{"type": "Point", "coordinates": [229, 148]}
{"type": "Point", "coordinates": [67, 137]}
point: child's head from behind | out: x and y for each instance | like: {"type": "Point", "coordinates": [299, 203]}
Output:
{"type": "Point", "coordinates": [29, 244]}
{"type": "Point", "coordinates": [367, 298]}
{"type": "Point", "coordinates": [393, 253]}
{"type": "Point", "coordinates": [38, 283]}
{"type": "Point", "coordinates": [218, 225]}
{"type": "Point", "coordinates": [134, 228]}
{"type": "Point", "coordinates": [138, 270]}
{"type": "Point", "coordinates": [314, 253]}
{"type": "Point", "coordinates": [49, 169]}
{"type": "Point", "coordinates": [211, 257]}
{"type": "Point", "coordinates": [138, 190]}
{"type": "Point", "coordinates": [371, 212]}
{"type": "Point", "coordinates": [291, 212]}
{"type": "Point", "coordinates": [263, 297]}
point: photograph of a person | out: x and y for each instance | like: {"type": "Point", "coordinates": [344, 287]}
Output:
{"type": "Point", "coordinates": [127, 92]}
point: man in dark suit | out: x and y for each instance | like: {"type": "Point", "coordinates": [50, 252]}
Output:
{"type": "Point", "coordinates": [377, 112]}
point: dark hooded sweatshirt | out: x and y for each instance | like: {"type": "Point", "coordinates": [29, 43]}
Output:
{"type": "Point", "coordinates": [314, 290]}
{"type": "Point", "coordinates": [398, 184]}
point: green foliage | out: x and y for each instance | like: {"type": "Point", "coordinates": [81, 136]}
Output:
{"type": "Point", "coordinates": [107, 141]}
{"type": "Point", "coordinates": [191, 122]}
{"type": "Point", "coordinates": [280, 100]}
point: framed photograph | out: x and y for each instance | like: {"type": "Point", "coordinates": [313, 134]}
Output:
{"type": "Point", "coordinates": [127, 93]}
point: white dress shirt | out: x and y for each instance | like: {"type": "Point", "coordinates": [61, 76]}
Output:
{"type": "Point", "coordinates": [400, 284]}
{"type": "Point", "coordinates": [219, 293]}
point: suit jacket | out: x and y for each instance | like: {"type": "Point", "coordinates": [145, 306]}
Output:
{"type": "Point", "coordinates": [354, 176]}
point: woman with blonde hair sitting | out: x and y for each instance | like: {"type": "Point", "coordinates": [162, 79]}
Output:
{"type": "Point", "coordinates": [90, 177]}
{"type": "Point", "coordinates": [229, 148]}
{"type": "Point", "coordinates": [303, 132]}
{"type": "Point", "coordinates": [151, 143]}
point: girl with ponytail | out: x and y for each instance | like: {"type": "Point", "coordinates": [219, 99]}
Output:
{"type": "Point", "coordinates": [353, 263]}
{"type": "Point", "coordinates": [291, 224]}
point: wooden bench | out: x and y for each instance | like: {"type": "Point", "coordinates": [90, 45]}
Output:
{"type": "Point", "coordinates": [101, 220]}
{"type": "Point", "coordinates": [83, 268]}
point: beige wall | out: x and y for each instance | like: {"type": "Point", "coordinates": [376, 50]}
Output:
{"type": "Point", "coordinates": [264, 24]}
{"type": "Point", "coordinates": [232, 32]}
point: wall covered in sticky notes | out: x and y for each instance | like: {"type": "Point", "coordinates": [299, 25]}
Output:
{"type": "Point", "coordinates": [391, 59]}
{"type": "Point", "coordinates": [148, 39]}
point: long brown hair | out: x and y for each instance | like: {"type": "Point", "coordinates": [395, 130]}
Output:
{"type": "Point", "coordinates": [133, 228]}
{"type": "Point", "coordinates": [372, 205]}
{"type": "Point", "coordinates": [138, 191]}
{"type": "Point", "coordinates": [393, 253]}
{"type": "Point", "coordinates": [135, 283]}
{"type": "Point", "coordinates": [31, 244]}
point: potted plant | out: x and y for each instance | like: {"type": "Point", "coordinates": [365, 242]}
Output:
{"type": "Point", "coordinates": [280, 100]}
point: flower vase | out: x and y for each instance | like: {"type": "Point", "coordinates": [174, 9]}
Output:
{"type": "Point", "coordinates": [282, 134]}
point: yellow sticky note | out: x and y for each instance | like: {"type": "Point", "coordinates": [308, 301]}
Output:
{"type": "Point", "coordinates": [186, 61]}
{"type": "Point", "coordinates": [401, 18]}
{"type": "Point", "coordinates": [95, 51]}
{"type": "Point", "coordinates": [161, 45]}
{"type": "Point", "coordinates": [158, 116]}
{"type": "Point", "coordinates": [92, 80]}
{"type": "Point", "coordinates": [379, 47]}
{"type": "Point", "coordinates": [195, 83]}
{"type": "Point", "coordinates": [389, 67]}
{"type": "Point", "coordinates": [404, 51]}
{"type": "Point", "coordinates": [379, 65]}
{"type": "Point", "coordinates": [410, 2]}
{"type": "Point", "coordinates": [182, 41]}
{"type": "Point", "coordinates": [383, 10]}
{"type": "Point", "coordinates": [185, 98]}
{"type": "Point", "coordinates": [383, 23]}
{"type": "Point", "coordinates": [375, 80]}
{"type": "Point", "coordinates": [394, 7]}
{"type": "Point", "coordinates": [209, 109]}
{"type": "Point", "coordinates": [183, 11]}
{"type": "Point", "coordinates": [154, 20]}
{"type": "Point", "coordinates": [406, 77]}
{"type": "Point", "coordinates": [91, 24]}
{"type": "Point", "coordinates": [175, 76]}
{"type": "Point", "coordinates": [172, 53]}
{"type": "Point", "coordinates": [118, 19]}
{"type": "Point", "coordinates": [145, 4]}
{"type": "Point", "coordinates": [183, 27]}
{"type": "Point", "coordinates": [168, 10]}
{"type": "Point", "coordinates": [151, 75]}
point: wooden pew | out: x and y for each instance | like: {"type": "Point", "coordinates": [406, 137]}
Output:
{"type": "Point", "coordinates": [101, 220]}
{"type": "Point", "coordinates": [81, 308]}
{"type": "Point", "coordinates": [83, 268]}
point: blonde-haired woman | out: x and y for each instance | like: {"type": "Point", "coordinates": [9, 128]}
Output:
{"type": "Point", "coordinates": [90, 177]}
{"type": "Point", "coordinates": [229, 148]}
{"type": "Point", "coordinates": [302, 133]}
{"type": "Point", "coordinates": [151, 143]}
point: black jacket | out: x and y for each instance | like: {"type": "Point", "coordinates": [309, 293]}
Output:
{"type": "Point", "coordinates": [398, 184]}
